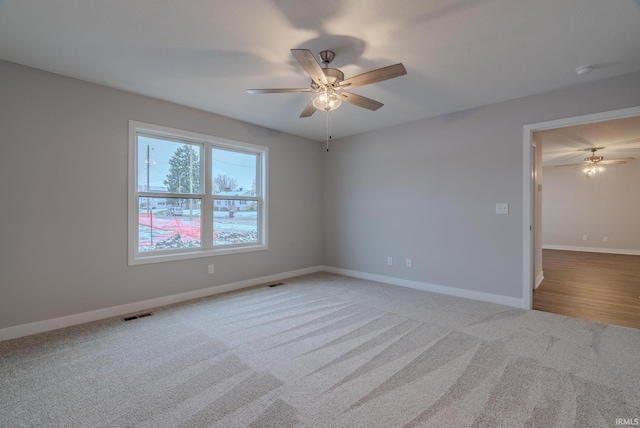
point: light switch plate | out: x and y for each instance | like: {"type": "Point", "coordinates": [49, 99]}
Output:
{"type": "Point", "coordinates": [502, 208]}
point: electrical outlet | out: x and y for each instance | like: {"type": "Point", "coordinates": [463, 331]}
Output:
{"type": "Point", "coordinates": [211, 268]}
{"type": "Point", "coordinates": [408, 263]}
{"type": "Point", "coordinates": [605, 239]}
{"type": "Point", "coordinates": [390, 261]}
{"type": "Point", "coordinates": [584, 237]}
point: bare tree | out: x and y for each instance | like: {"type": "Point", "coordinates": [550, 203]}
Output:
{"type": "Point", "coordinates": [224, 183]}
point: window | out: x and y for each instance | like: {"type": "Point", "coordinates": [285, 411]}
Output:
{"type": "Point", "coordinates": [193, 195]}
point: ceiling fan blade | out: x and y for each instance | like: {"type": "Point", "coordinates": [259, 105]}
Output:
{"type": "Point", "coordinates": [308, 110]}
{"type": "Point", "coordinates": [571, 164]}
{"type": "Point", "coordinates": [360, 101]}
{"type": "Point", "coordinates": [618, 161]}
{"type": "Point", "coordinates": [374, 76]}
{"type": "Point", "coordinates": [277, 90]}
{"type": "Point", "coordinates": [310, 65]}
{"type": "Point", "coordinates": [613, 162]}
{"type": "Point", "coordinates": [630, 158]}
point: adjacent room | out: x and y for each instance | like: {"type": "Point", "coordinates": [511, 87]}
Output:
{"type": "Point", "coordinates": [590, 230]}
{"type": "Point", "coordinates": [299, 214]}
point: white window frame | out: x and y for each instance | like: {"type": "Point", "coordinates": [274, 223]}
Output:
{"type": "Point", "coordinates": [207, 143]}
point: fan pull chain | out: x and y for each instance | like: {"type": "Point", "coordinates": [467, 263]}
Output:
{"type": "Point", "coordinates": [328, 128]}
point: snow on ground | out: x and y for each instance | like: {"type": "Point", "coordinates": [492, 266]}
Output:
{"type": "Point", "coordinates": [241, 229]}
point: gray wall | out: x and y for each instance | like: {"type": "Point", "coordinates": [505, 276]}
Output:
{"type": "Point", "coordinates": [427, 190]}
{"type": "Point", "coordinates": [63, 222]}
{"type": "Point", "coordinates": [605, 205]}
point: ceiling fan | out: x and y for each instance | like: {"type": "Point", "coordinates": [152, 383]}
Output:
{"type": "Point", "coordinates": [329, 84]}
{"type": "Point", "coordinates": [593, 164]}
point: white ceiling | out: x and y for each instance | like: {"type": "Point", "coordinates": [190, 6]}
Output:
{"type": "Point", "coordinates": [620, 138]}
{"type": "Point", "coordinates": [459, 54]}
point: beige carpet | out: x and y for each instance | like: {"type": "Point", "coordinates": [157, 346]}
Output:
{"type": "Point", "coordinates": [325, 350]}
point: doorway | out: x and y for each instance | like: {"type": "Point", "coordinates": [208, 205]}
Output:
{"type": "Point", "coordinates": [531, 187]}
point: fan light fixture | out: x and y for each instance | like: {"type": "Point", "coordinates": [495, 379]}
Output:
{"type": "Point", "coordinates": [327, 100]}
{"type": "Point", "coordinates": [592, 169]}
{"type": "Point", "coordinates": [593, 166]}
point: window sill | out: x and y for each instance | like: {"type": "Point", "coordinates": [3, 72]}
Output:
{"type": "Point", "coordinates": [193, 254]}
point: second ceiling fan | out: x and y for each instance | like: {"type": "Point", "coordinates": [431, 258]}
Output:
{"type": "Point", "coordinates": [329, 84]}
{"type": "Point", "coordinates": [593, 164]}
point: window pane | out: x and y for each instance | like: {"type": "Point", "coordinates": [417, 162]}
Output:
{"type": "Point", "coordinates": [234, 173]}
{"type": "Point", "coordinates": [168, 223]}
{"type": "Point", "coordinates": [235, 223]}
{"type": "Point", "coordinates": [168, 166]}
{"type": "Point", "coordinates": [171, 197]}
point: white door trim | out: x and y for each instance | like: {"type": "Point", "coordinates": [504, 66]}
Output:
{"type": "Point", "coordinates": [527, 177]}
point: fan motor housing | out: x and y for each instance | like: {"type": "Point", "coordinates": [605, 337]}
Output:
{"type": "Point", "coordinates": [333, 75]}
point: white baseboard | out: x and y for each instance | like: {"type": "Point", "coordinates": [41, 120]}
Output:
{"type": "Point", "coordinates": [67, 321]}
{"type": "Point", "coordinates": [539, 279]}
{"type": "Point", "coordinates": [70, 320]}
{"type": "Point", "coordinates": [592, 249]}
{"type": "Point", "coordinates": [441, 289]}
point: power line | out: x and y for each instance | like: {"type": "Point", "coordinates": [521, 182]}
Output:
{"type": "Point", "coordinates": [233, 164]}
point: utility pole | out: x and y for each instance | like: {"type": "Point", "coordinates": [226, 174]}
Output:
{"type": "Point", "coordinates": [148, 198]}
{"type": "Point", "coordinates": [190, 182]}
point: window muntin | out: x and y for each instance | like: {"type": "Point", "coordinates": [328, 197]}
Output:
{"type": "Point", "coordinates": [193, 195]}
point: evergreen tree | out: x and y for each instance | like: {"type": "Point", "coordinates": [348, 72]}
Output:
{"type": "Point", "coordinates": [184, 171]}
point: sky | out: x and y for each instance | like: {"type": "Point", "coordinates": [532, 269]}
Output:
{"type": "Point", "coordinates": [240, 166]}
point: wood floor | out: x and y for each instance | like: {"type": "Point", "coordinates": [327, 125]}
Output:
{"type": "Point", "coordinates": [595, 286]}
